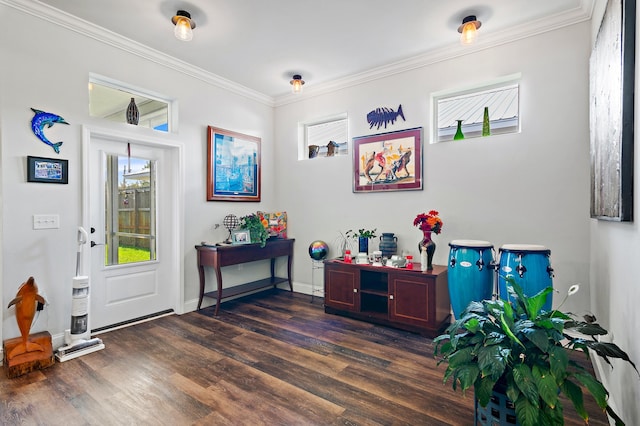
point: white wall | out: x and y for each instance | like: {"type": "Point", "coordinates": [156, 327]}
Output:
{"type": "Point", "coordinates": [615, 290]}
{"type": "Point", "coordinates": [525, 188]}
{"type": "Point", "coordinates": [49, 70]}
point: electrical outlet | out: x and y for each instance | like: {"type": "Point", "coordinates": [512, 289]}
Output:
{"type": "Point", "coordinates": [46, 221]}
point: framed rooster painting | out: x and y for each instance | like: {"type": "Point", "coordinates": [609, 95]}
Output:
{"type": "Point", "coordinates": [388, 161]}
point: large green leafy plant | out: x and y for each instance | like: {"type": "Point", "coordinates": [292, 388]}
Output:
{"type": "Point", "coordinates": [526, 350]}
{"type": "Point", "coordinates": [257, 231]}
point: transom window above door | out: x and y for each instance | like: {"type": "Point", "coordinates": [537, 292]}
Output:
{"type": "Point", "coordinates": [109, 99]}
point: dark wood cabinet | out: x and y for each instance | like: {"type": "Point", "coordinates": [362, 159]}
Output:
{"type": "Point", "coordinates": [341, 288]}
{"type": "Point", "coordinates": [402, 298]}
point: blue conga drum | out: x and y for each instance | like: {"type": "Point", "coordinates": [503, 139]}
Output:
{"type": "Point", "coordinates": [530, 266]}
{"type": "Point", "coordinates": [470, 273]}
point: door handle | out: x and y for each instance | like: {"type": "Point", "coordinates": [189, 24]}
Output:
{"type": "Point", "coordinates": [93, 244]}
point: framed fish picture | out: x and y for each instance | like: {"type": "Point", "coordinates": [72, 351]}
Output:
{"type": "Point", "coordinates": [47, 170]}
{"type": "Point", "coordinates": [388, 161]}
{"type": "Point", "coordinates": [233, 166]}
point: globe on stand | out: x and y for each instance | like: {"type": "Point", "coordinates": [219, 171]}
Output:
{"type": "Point", "coordinates": [318, 250]}
{"type": "Point", "coordinates": [230, 222]}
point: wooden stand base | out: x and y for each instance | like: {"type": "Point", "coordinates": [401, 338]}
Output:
{"type": "Point", "coordinates": [30, 361]}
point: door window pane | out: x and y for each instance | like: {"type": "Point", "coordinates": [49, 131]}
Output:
{"type": "Point", "coordinates": [130, 219]}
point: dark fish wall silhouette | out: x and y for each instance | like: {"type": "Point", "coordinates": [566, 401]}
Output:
{"type": "Point", "coordinates": [380, 116]}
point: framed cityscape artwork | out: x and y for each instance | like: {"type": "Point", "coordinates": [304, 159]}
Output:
{"type": "Point", "coordinates": [233, 166]}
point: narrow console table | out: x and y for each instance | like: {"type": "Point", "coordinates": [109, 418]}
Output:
{"type": "Point", "coordinates": [402, 298]}
{"type": "Point", "coordinates": [225, 255]}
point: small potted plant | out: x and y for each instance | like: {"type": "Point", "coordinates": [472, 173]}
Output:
{"type": "Point", "coordinates": [256, 229]}
{"type": "Point", "coordinates": [362, 235]}
{"type": "Point", "coordinates": [521, 351]}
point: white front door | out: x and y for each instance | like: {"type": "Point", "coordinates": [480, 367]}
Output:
{"type": "Point", "coordinates": [134, 255]}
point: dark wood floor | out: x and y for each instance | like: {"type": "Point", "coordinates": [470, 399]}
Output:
{"type": "Point", "coordinates": [273, 358]}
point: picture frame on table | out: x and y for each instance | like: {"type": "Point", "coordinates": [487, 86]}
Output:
{"type": "Point", "coordinates": [388, 161]}
{"type": "Point", "coordinates": [233, 166]}
{"type": "Point", "coordinates": [612, 81]}
{"type": "Point", "coordinates": [240, 236]}
{"type": "Point", "coordinates": [47, 170]}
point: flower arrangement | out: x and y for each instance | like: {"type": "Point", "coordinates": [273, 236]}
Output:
{"type": "Point", "coordinates": [429, 222]}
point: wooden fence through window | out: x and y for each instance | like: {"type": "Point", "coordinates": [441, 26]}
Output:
{"type": "Point", "coordinates": [134, 216]}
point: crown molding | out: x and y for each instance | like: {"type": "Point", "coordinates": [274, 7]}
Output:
{"type": "Point", "coordinates": [80, 26]}
{"type": "Point", "coordinates": [580, 13]}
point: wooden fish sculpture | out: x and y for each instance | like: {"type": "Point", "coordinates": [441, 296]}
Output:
{"type": "Point", "coordinates": [26, 302]}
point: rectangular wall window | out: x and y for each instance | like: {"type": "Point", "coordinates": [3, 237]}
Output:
{"type": "Point", "coordinates": [490, 109]}
{"type": "Point", "coordinates": [109, 100]}
{"type": "Point", "coordinates": [324, 138]}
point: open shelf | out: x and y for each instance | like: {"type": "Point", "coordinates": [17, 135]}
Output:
{"type": "Point", "coordinates": [374, 281]}
{"type": "Point", "coordinates": [374, 303]}
{"type": "Point", "coordinates": [246, 288]}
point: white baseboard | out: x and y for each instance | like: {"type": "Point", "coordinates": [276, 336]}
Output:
{"type": "Point", "coordinates": [599, 367]}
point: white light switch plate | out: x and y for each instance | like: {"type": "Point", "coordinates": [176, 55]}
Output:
{"type": "Point", "coordinates": [46, 221]}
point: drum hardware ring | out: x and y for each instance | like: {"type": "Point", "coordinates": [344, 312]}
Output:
{"type": "Point", "coordinates": [480, 262]}
{"type": "Point", "coordinates": [521, 269]}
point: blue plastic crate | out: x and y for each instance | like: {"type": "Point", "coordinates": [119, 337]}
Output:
{"type": "Point", "coordinates": [500, 411]}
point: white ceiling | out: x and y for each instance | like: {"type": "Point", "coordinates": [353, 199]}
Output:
{"type": "Point", "coordinates": [260, 44]}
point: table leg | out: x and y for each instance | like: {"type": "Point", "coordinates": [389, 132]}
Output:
{"type": "Point", "coordinates": [201, 273]}
{"type": "Point", "coordinates": [219, 298]}
{"type": "Point", "coordinates": [273, 268]}
{"type": "Point", "coordinates": [289, 263]}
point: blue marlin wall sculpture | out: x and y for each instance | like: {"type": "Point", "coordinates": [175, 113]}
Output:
{"type": "Point", "coordinates": [42, 119]}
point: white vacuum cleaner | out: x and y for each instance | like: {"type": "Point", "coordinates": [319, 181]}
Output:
{"type": "Point", "coordinates": [78, 339]}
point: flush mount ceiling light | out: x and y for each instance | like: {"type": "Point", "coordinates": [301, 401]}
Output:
{"type": "Point", "coordinates": [469, 29]}
{"type": "Point", "coordinates": [184, 25]}
{"type": "Point", "coordinates": [297, 83]}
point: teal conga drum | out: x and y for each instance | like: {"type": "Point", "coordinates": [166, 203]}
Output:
{"type": "Point", "coordinates": [530, 267]}
{"type": "Point", "coordinates": [470, 273]}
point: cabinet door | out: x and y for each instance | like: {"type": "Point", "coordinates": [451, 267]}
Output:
{"type": "Point", "coordinates": [410, 299]}
{"type": "Point", "coordinates": [341, 287]}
